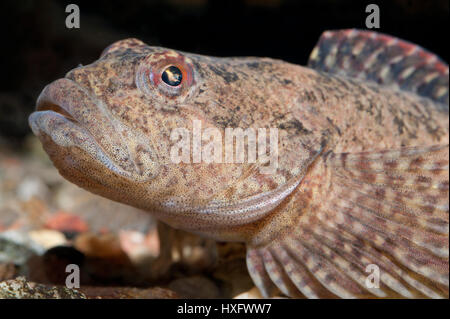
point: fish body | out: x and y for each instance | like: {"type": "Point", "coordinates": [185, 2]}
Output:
{"type": "Point", "coordinates": [360, 175]}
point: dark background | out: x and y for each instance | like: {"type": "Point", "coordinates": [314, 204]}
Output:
{"type": "Point", "coordinates": [37, 48]}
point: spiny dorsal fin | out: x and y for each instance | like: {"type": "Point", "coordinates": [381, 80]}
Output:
{"type": "Point", "coordinates": [382, 59]}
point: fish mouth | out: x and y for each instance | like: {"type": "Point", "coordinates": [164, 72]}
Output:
{"type": "Point", "coordinates": [68, 116]}
{"type": "Point", "coordinates": [67, 99]}
{"type": "Point", "coordinates": [46, 103]}
{"type": "Point", "coordinates": [57, 113]}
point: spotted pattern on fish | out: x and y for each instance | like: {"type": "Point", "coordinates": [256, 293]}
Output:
{"type": "Point", "coordinates": [362, 171]}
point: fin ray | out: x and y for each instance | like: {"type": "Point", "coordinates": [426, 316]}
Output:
{"type": "Point", "coordinates": [393, 223]}
{"type": "Point", "coordinates": [382, 59]}
{"type": "Point", "coordinates": [359, 248]}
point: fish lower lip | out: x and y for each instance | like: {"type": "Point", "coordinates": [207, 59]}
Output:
{"type": "Point", "coordinates": [65, 134]}
{"type": "Point", "coordinates": [73, 116]}
{"type": "Point", "coordinates": [60, 114]}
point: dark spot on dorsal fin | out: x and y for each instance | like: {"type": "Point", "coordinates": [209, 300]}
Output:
{"type": "Point", "coordinates": [382, 59]}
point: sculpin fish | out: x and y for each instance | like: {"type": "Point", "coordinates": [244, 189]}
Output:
{"type": "Point", "coordinates": [357, 205]}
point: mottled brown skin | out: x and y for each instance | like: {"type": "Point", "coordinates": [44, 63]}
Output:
{"type": "Point", "coordinates": [315, 113]}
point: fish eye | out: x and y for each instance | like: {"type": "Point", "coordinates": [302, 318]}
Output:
{"type": "Point", "coordinates": [172, 76]}
{"type": "Point", "coordinates": [166, 75]}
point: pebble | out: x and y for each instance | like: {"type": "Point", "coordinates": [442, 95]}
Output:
{"type": "Point", "coordinates": [30, 187]}
{"type": "Point", "coordinates": [16, 247]}
{"type": "Point", "coordinates": [20, 288]}
{"type": "Point", "coordinates": [250, 294]}
{"type": "Point", "coordinates": [48, 238]}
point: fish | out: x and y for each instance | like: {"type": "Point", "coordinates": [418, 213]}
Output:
{"type": "Point", "coordinates": [354, 204]}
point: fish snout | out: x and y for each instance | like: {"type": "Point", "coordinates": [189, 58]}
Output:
{"type": "Point", "coordinates": [72, 116]}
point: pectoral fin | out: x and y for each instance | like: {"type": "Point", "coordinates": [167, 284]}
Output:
{"type": "Point", "coordinates": [389, 209]}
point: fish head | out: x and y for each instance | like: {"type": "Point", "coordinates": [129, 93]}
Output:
{"type": "Point", "coordinates": [117, 127]}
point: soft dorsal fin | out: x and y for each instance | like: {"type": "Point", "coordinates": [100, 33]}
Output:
{"type": "Point", "coordinates": [382, 59]}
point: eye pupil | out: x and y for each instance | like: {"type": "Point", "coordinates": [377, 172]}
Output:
{"type": "Point", "coordinates": [172, 76]}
